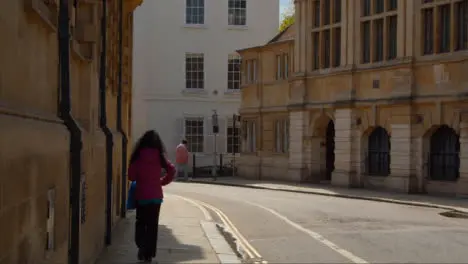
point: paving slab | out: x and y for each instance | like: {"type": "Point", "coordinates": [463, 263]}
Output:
{"type": "Point", "coordinates": [182, 239]}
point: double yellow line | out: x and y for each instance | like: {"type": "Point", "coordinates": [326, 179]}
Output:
{"type": "Point", "coordinates": [251, 252]}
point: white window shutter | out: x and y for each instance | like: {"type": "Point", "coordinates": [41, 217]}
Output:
{"type": "Point", "coordinates": [221, 139]}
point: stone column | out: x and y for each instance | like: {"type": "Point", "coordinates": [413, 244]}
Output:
{"type": "Point", "coordinates": [401, 177]}
{"type": "Point", "coordinates": [298, 122]}
{"type": "Point", "coordinates": [301, 36]}
{"type": "Point", "coordinates": [345, 173]}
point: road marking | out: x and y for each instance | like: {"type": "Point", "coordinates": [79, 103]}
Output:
{"type": "Point", "coordinates": [350, 256]}
{"type": "Point", "coordinates": [203, 209]}
{"type": "Point", "coordinates": [251, 252]}
{"type": "Point", "coordinates": [249, 249]}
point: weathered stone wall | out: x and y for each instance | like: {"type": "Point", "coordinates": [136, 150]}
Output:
{"type": "Point", "coordinates": [35, 144]}
{"type": "Point", "coordinates": [409, 97]}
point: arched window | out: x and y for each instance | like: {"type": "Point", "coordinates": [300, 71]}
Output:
{"type": "Point", "coordinates": [444, 160]}
{"type": "Point", "coordinates": [378, 161]}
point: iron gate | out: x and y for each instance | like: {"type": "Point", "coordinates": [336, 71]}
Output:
{"type": "Point", "coordinates": [445, 155]}
{"type": "Point", "coordinates": [378, 160]}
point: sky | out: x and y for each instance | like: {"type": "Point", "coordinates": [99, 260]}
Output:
{"type": "Point", "coordinates": [283, 5]}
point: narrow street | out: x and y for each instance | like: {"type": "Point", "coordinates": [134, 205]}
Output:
{"type": "Point", "coordinates": [289, 227]}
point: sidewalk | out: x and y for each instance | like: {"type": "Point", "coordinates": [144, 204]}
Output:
{"type": "Point", "coordinates": [182, 239]}
{"type": "Point", "coordinates": [446, 203]}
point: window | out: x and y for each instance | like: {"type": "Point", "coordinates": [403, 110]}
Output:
{"type": "Point", "coordinates": [250, 71]}
{"type": "Point", "coordinates": [234, 73]}
{"type": "Point", "coordinates": [195, 12]}
{"type": "Point", "coordinates": [439, 34]}
{"type": "Point", "coordinates": [233, 139]}
{"type": "Point", "coordinates": [279, 68]}
{"type": "Point", "coordinates": [237, 12]}
{"type": "Point", "coordinates": [428, 31]}
{"type": "Point", "coordinates": [194, 134]}
{"type": "Point", "coordinates": [392, 34]}
{"type": "Point", "coordinates": [286, 65]}
{"type": "Point", "coordinates": [462, 25]}
{"type": "Point", "coordinates": [194, 71]}
{"type": "Point", "coordinates": [336, 47]}
{"type": "Point", "coordinates": [250, 138]}
{"type": "Point", "coordinates": [282, 66]}
{"type": "Point", "coordinates": [378, 30]}
{"type": "Point", "coordinates": [282, 136]}
{"type": "Point", "coordinates": [326, 34]}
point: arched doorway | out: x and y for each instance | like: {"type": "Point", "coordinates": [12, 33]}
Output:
{"type": "Point", "coordinates": [378, 159]}
{"type": "Point", "coordinates": [330, 150]}
{"type": "Point", "coordinates": [444, 158]}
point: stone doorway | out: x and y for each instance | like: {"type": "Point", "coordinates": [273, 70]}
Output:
{"type": "Point", "coordinates": [330, 150]}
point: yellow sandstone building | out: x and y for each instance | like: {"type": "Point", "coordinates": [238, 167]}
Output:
{"type": "Point", "coordinates": [365, 93]}
{"type": "Point", "coordinates": [65, 94]}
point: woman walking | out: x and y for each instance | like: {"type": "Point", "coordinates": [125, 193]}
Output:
{"type": "Point", "coordinates": [146, 164]}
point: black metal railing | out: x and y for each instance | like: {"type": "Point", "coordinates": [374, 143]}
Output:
{"type": "Point", "coordinates": [202, 166]}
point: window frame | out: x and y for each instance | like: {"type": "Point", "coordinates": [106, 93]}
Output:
{"type": "Point", "coordinates": [236, 83]}
{"type": "Point", "coordinates": [325, 52]}
{"type": "Point", "coordinates": [249, 142]}
{"type": "Point", "coordinates": [202, 8]}
{"type": "Point", "coordinates": [189, 137]}
{"type": "Point", "coordinates": [237, 13]}
{"type": "Point", "coordinates": [249, 71]}
{"type": "Point", "coordinates": [452, 34]}
{"type": "Point", "coordinates": [195, 72]}
{"type": "Point", "coordinates": [281, 132]}
{"type": "Point", "coordinates": [380, 43]}
{"type": "Point", "coordinates": [230, 139]}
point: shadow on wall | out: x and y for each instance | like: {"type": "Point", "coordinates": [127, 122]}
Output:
{"type": "Point", "coordinates": [170, 249]}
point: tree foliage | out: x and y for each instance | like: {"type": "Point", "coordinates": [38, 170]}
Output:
{"type": "Point", "coordinates": [287, 17]}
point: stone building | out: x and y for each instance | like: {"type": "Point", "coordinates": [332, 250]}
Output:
{"type": "Point", "coordinates": [369, 93]}
{"type": "Point", "coordinates": [64, 127]}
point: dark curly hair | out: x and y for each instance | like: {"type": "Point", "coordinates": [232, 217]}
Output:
{"type": "Point", "coordinates": [150, 139]}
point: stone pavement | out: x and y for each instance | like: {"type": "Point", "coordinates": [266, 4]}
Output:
{"type": "Point", "coordinates": [446, 203]}
{"type": "Point", "coordinates": [182, 237]}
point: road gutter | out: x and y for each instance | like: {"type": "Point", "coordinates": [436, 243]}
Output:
{"type": "Point", "coordinates": [223, 250]}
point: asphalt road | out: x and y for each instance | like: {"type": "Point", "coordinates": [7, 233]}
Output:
{"type": "Point", "coordinates": [302, 228]}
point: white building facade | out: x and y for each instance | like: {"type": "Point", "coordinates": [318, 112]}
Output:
{"type": "Point", "coordinates": [185, 66]}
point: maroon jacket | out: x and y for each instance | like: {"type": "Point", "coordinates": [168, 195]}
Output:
{"type": "Point", "coordinates": [146, 171]}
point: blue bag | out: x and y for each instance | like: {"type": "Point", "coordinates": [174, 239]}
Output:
{"type": "Point", "coordinates": [131, 203]}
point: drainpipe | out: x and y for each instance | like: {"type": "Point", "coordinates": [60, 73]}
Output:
{"type": "Point", "coordinates": [103, 124]}
{"type": "Point", "coordinates": [123, 205]}
{"type": "Point", "coordinates": [73, 128]}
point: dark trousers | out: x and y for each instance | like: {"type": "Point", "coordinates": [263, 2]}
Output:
{"type": "Point", "coordinates": [146, 228]}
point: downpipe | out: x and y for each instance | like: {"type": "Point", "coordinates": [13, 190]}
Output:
{"type": "Point", "coordinates": [76, 144]}
{"type": "Point", "coordinates": [103, 124]}
{"type": "Point", "coordinates": [123, 204]}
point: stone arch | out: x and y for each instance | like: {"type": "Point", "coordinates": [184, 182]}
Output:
{"type": "Point", "coordinates": [378, 152]}
{"type": "Point", "coordinates": [321, 131]}
{"type": "Point", "coordinates": [319, 123]}
{"type": "Point", "coordinates": [442, 153]}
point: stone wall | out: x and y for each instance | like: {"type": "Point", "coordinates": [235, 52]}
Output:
{"type": "Point", "coordinates": [34, 142]}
